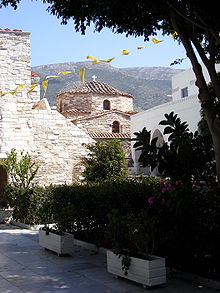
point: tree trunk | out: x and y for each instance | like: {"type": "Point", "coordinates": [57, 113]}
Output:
{"type": "Point", "coordinates": [204, 97]}
{"type": "Point", "coordinates": [214, 128]}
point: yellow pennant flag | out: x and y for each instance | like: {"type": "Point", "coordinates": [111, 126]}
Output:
{"type": "Point", "coordinates": [12, 92]}
{"type": "Point", "coordinates": [20, 87]}
{"type": "Point", "coordinates": [175, 34]}
{"type": "Point", "coordinates": [82, 74]}
{"type": "Point", "coordinates": [125, 52]}
{"type": "Point", "coordinates": [52, 76]}
{"type": "Point", "coordinates": [2, 93]}
{"type": "Point", "coordinates": [156, 41]}
{"type": "Point", "coordinates": [44, 85]}
{"type": "Point", "coordinates": [32, 87]}
{"type": "Point", "coordinates": [91, 57]}
{"type": "Point", "coordinates": [64, 72]}
{"type": "Point", "coordinates": [108, 60]}
{"type": "Point", "coordinates": [96, 61]}
{"type": "Point", "coordinates": [141, 47]}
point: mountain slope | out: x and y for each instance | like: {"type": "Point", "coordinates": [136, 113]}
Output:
{"type": "Point", "coordinates": [149, 85]}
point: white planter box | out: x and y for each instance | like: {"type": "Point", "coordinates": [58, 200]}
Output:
{"type": "Point", "coordinates": [61, 244]}
{"type": "Point", "coordinates": [146, 272]}
{"type": "Point", "coordinates": [5, 215]}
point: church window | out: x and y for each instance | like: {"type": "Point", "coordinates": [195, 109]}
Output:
{"type": "Point", "coordinates": [106, 105]}
{"type": "Point", "coordinates": [61, 106]}
{"type": "Point", "coordinates": [115, 127]}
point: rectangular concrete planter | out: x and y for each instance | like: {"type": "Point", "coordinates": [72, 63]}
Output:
{"type": "Point", "coordinates": [61, 244]}
{"type": "Point", "coordinates": [5, 215]}
{"type": "Point", "coordinates": [146, 272]}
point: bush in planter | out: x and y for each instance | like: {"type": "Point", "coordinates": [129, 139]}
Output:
{"type": "Point", "coordinates": [83, 209]}
{"type": "Point", "coordinates": [137, 233]}
{"type": "Point", "coordinates": [192, 229]}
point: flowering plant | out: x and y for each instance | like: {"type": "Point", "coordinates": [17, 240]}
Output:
{"type": "Point", "coordinates": [137, 233]}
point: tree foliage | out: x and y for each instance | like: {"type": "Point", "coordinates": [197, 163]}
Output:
{"type": "Point", "coordinates": [183, 157]}
{"type": "Point", "coordinates": [21, 170]}
{"type": "Point", "coordinates": [105, 162]}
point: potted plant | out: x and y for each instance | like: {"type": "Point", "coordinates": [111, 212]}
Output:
{"type": "Point", "coordinates": [56, 240]}
{"type": "Point", "coordinates": [5, 212]}
{"type": "Point", "coordinates": [53, 236]}
{"type": "Point", "coordinates": [134, 237]}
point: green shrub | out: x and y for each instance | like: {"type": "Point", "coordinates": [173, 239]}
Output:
{"type": "Point", "coordinates": [27, 203]}
{"type": "Point", "coordinates": [105, 162]}
{"type": "Point", "coordinates": [21, 170]}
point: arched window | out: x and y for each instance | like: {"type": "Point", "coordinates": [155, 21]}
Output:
{"type": "Point", "coordinates": [115, 127]}
{"type": "Point", "coordinates": [61, 106]}
{"type": "Point", "coordinates": [106, 105]}
{"type": "Point", "coordinates": [160, 139]}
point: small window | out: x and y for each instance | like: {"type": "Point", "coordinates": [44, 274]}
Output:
{"type": "Point", "coordinates": [184, 92]}
{"type": "Point", "coordinates": [61, 106]}
{"type": "Point", "coordinates": [115, 127]}
{"type": "Point", "coordinates": [106, 105]}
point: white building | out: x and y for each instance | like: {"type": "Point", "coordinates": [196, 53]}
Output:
{"type": "Point", "coordinates": [184, 103]}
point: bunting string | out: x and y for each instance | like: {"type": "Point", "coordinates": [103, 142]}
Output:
{"type": "Point", "coordinates": [81, 72]}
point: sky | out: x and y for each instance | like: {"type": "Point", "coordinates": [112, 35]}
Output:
{"type": "Point", "coordinates": [53, 43]}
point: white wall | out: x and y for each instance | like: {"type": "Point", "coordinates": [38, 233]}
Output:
{"type": "Point", "coordinates": [188, 108]}
{"type": "Point", "coordinates": [187, 79]}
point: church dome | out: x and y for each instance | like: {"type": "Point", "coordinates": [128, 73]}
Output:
{"type": "Point", "coordinates": [97, 87]}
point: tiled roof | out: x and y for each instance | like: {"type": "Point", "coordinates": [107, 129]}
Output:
{"type": "Point", "coordinates": [76, 111]}
{"type": "Point", "coordinates": [104, 113]}
{"type": "Point", "coordinates": [34, 74]}
{"type": "Point", "coordinates": [9, 30]}
{"type": "Point", "coordinates": [109, 135]}
{"type": "Point", "coordinates": [98, 88]}
{"type": "Point", "coordinates": [131, 112]}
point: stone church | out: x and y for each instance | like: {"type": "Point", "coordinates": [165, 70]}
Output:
{"type": "Point", "coordinates": [54, 138]}
{"type": "Point", "coordinates": [102, 111]}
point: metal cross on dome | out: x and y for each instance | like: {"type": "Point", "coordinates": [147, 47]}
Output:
{"type": "Point", "coordinates": [94, 77]}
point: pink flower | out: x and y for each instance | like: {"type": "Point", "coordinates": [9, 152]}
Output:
{"type": "Point", "coordinates": [178, 182]}
{"type": "Point", "coordinates": [150, 200]}
{"type": "Point", "coordinates": [166, 187]}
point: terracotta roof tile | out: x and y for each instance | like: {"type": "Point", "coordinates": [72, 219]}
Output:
{"type": "Point", "coordinates": [98, 88]}
{"type": "Point", "coordinates": [131, 112]}
{"type": "Point", "coordinates": [34, 74]}
{"type": "Point", "coordinates": [104, 113]}
{"type": "Point", "coordinates": [9, 30]}
{"type": "Point", "coordinates": [109, 135]}
{"type": "Point", "coordinates": [76, 111]}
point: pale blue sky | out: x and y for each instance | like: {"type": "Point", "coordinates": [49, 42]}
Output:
{"type": "Point", "coordinates": [52, 42]}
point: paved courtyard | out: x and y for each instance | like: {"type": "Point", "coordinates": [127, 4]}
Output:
{"type": "Point", "coordinates": [25, 267]}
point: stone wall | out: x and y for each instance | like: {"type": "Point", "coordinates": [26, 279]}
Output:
{"type": "Point", "coordinates": [57, 148]}
{"type": "Point", "coordinates": [103, 122]}
{"type": "Point", "coordinates": [14, 59]}
{"type": "Point", "coordinates": [16, 114]}
{"type": "Point", "coordinates": [68, 101]}
{"type": "Point", "coordinates": [92, 102]}
{"type": "Point", "coordinates": [122, 103]}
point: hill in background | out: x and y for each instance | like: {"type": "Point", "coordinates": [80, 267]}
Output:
{"type": "Point", "coordinates": [150, 86]}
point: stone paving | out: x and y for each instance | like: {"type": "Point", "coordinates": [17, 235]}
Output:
{"type": "Point", "coordinates": [25, 267]}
